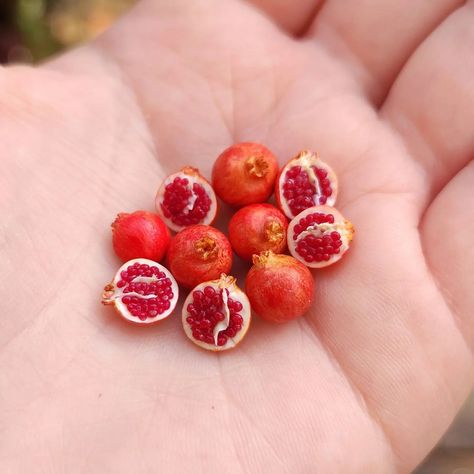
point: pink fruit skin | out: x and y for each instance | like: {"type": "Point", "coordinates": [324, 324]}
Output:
{"type": "Point", "coordinates": [279, 288]}
{"type": "Point", "coordinates": [199, 253]}
{"type": "Point", "coordinates": [235, 181]}
{"type": "Point", "coordinates": [256, 228]}
{"type": "Point", "coordinates": [141, 234]}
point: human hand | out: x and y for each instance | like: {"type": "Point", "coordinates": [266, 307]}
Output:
{"type": "Point", "coordinates": [371, 377]}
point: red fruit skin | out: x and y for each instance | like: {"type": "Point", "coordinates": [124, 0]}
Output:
{"type": "Point", "coordinates": [256, 228]}
{"type": "Point", "coordinates": [141, 234]}
{"type": "Point", "coordinates": [279, 287]}
{"type": "Point", "coordinates": [199, 253]}
{"type": "Point", "coordinates": [245, 174]}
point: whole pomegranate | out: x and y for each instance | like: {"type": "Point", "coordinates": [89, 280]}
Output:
{"type": "Point", "coordinates": [245, 174]}
{"type": "Point", "coordinates": [199, 253]}
{"type": "Point", "coordinates": [141, 234]}
{"type": "Point", "coordinates": [256, 228]}
{"type": "Point", "coordinates": [279, 287]}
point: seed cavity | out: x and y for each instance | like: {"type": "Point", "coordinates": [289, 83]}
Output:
{"type": "Point", "coordinates": [306, 185]}
{"type": "Point", "coordinates": [318, 237]}
{"type": "Point", "coordinates": [145, 290]}
{"type": "Point", "coordinates": [213, 316]}
{"type": "Point", "coordinates": [185, 202]}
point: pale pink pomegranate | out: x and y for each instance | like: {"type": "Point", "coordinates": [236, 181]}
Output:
{"type": "Point", "coordinates": [216, 314]}
{"type": "Point", "coordinates": [305, 181]}
{"type": "Point", "coordinates": [185, 198]}
{"type": "Point", "coordinates": [319, 236]}
{"type": "Point", "coordinates": [142, 292]}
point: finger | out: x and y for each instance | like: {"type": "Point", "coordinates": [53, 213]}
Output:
{"type": "Point", "coordinates": [377, 37]}
{"type": "Point", "coordinates": [447, 231]}
{"type": "Point", "coordinates": [432, 101]}
{"type": "Point", "coordinates": [293, 17]}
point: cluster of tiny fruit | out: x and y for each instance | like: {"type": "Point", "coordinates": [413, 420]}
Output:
{"type": "Point", "coordinates": [279, 287]}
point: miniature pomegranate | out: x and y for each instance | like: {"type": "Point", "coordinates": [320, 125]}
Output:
{"type": "Point", "coordinates": [279, 287]}
{"type": "Point", "coordinates": [245, 174]}
{"type": "Point", "coordinates": [305, 181]}
{"type": "Point", "coordinates": [141, 234]}
{"type": "Point", "coordinates": [199, 253]}
{"type": "Point", "coordinates": [142, 292]}
{"type": "Point", "coordinates": [319, 236]}
{"type": "Point", "coordinates": [216, 314]}
{"type": "Point", "coordinates": [186, 198]}
{"type": "Point", "coordinates": [256, 228]}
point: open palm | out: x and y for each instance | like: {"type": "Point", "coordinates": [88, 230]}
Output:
{"type": "Point", "coordinates": [370, 378]}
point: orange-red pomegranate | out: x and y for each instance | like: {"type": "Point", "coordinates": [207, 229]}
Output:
{"type": "Point", "coordinates": [141, 234]}
{"type": "Point", "coordinates": [199, 253]}
{"type": "Point", "coordinates": [256, 228]}
{"type": "Point", "coordinates": [245, 174]}
{"type": "Point", "coordinates": [216, 314]}
{"type": "Point", "coordinates": [305, 181]}
{"type": "Point", "coordinates": [319, 236]}
{"type": "Point", "coordinates": [185, 198]}
{"type": "Point", "coordinates": [279, 287]}
{"type": "Point", "coordinates": [142, 291]}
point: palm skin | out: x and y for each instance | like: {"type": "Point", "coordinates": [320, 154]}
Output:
{"type": "Point", "coordinates": [371, 377]}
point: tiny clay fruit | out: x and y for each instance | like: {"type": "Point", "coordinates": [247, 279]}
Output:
{"type": "Point", "coordinates": [279, 287]}
{"type": "Point", "coordinates": [141, 234]}
{"type": "Point", "coordinates": [305, 181]}
{"type": "Point", "coordinates": [256, 228]}
{"type": "Point", "coordinates": [142, 292]}
{"type": "Point", "coordinates": [199, 253]}
{"type": "Point", "coordinates": [216, 314]}
{"type": "Point", "coordinates": [319, 236]}
{"type": "Point", "coordinates": [244, 174]}
{"type": "Point", "coordinates": [185, 198]}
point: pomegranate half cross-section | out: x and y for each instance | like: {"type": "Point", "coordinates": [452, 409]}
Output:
{"type": "Point", "coordinates": [185, 198]}
{"type": "Point", "coordinates": [142, 291]}
{"type": "Point", "coordinates": [305, 181]}
{"type": "Point", "coordinates": [319, 236]}
{"type": "Point", "coordinates": [216, 314]}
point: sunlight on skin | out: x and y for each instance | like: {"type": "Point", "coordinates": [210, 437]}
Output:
{"type": "Point", "coordinates": [370, 379]}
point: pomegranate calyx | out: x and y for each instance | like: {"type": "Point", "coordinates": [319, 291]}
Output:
{"type": "Point", "coordinates": [263, 257]}
{"type": "Point", "coordinates": [189, 170]}
{"type": "Point", "coordinates": [274, 231]}
{"type": "Point", "coordinates": [108, 294]}
{"type": "Point", "coordinates": [257, 166]}
{"type": "Point", "coordinates": [206, 247]}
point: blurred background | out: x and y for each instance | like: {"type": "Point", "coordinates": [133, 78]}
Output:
{"type": "Point", "coordinates": [32, 30]}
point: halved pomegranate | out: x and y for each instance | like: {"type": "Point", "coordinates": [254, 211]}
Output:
{"type": "Point", "coordinates": [142, 291]}
{"type": "Point", "coordinates": [216, 314]}
{"type": "Point", "coordinates": [319, 236]}
{"type": "Point", "coordinates": [185, 198]}
{"type": "Point", "coordinates": [305, 181]}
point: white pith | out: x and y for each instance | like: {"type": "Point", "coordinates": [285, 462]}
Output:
{"type": "Point", "coordinates": [192, 178]}
{"type": "Point", "coordinates": [235, 293]}
{"type": "Point", "coordinates": [118, 293]}
{"type": "Point", "coordinates": [307, 159]}
{"type": "Point", "coordinates": [343, 227]}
